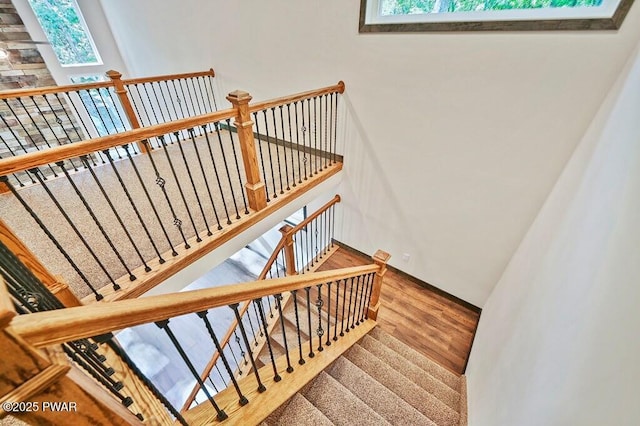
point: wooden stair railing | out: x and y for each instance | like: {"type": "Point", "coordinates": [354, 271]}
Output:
{"type": "Point", "coordinates": [150, 216]}
{"type": "Point", "coordinates": [49, 328]}
{"type": "Point", "coordinates": [288, 248]}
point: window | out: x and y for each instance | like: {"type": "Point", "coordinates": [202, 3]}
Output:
{"type": "Point", "coordinates": [67, 32]}
{"type": "Point", "coordinates": [490, 15]}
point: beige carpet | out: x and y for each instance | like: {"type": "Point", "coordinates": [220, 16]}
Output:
{"type": "Point", "coordinates": [379, 381]}
{"type": "Point", "coordinates": [28, 231]}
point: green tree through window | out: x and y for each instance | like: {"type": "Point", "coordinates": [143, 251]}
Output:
{"type": "Point", "coordinates": [66, 31]}
{"type": "Point", "coordinates": [409, 7]}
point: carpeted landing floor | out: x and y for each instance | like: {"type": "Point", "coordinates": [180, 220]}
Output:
{"type": "Point", "coordinates": [289, 167]}
{"type": "Point", "coordinates": [379, 381]}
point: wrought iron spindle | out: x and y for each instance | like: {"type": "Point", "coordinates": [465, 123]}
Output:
{"type": "Point", "coordinates": [326, 153]}
{"type": "Point", "coordinates": [277, 146]}
{"type": "Point", "coordinates": [193, 185]}
{"type": "Point", "coordinates": [234, 307]}
{"type": "Point", "coordinates": [153, 110]}
{"type": "Point", "coordinates": [242, 352]}
{"type": "Point", "coordinates": [307, 290]}
{"type": "Point", "coordinates": [263, 321]}
{"type": "Point", "coordinates": [155, 95]}
{"type": "Point", "coordinates": [235, 157]}
{"type": "Point", "coordinates": [215, 170]}
{"type": "Point", "coordinates": [203, 314]}
{"type": "Point", "coordinates": [269, 303]}
{"type": "Point", "coordinates": [179, 100]}
{"type": "Point", "coordinates": [264, 170]}
{"type": "Point", "coordinates": [361, 300]}
{"type": "Point", "coordinates": [79, 116]}
{"type": "Point", "coordinates": [370, 285]}
{"type": "Point", "coordinates": [349, 306]}
{"type": "Point", "coordinates": [365, 300]}
{"type": "Point", "coordinates": [273, 177]}
{"type": "Point", "coordinates": [355, 302]}
{"type": "Point", "coordinates": [284, 149]}
{"type": "Point", "coordinates": [278, 298]}
{"type": "Point", "coordinates": [109, 114]}
{"type": "Point", "coordinates": [319, 330]}
{"type": "Point", "coordinates": [147, 268]}
{"type": "Point", "coordinates": [203, 93]}
{"type": "Point", "coordinates": [122, 354]}
{"type": "Point", "coordinates": [151, 203]}
{"type": "Point", "coordinates": [315, 134]}
{"type": "Point", "coordinates": [161, 182]}
{"type": "Point", "coordinates": [213, 93]}
{"type": "Point", "coordinates": [233, 354]}
{"type": "Point", "coordinates": [164, 325]}
{"type": "Point", "coordinates": [175, 177]}
{"type": "Point", "coordinates": [184, 96]}
{"type": "Point", "coordinates": [328, 342]}
{"type": "Point", "coordinates": [335, 128]}
{"type": "Point", "coordinates": [293, 170]}
{"type": "Point", "coordinates": [335, 317]}
{"type": "Point", "coordinates": [226, 168]}
{"type": "Point", "coordinates": [333, 224]}
{"type": "Point", "coordinates": [206, 182]}
{"type": "Point", "coordinates": [95, 220]}
{"type": "Point", "coordinates": [253, 331]}
{"type": "Point", "coordinates": [55, 242]}
{"type": "Point", "coordinates": [303, 128]}
{"type": "Point", "coordinates": [310, 124]}
{"type": "Point", "coordinates": [294, 295]}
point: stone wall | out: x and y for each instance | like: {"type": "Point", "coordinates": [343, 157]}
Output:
{"type": "Point", "coordinates": [24, 66]}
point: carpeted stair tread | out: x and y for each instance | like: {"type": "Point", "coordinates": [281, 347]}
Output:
{"type": "Point", "coordinates": [434, 409]}
{"type": "Point", "coordinates": [299, 411]}
{"type": "Point", "coordinates": [387, 404]}
{"type": "Point", "coordinates": [436, 370]}
{"type": "Point", "coordinates": [411, 371]}
{"type": "Point", "coordinates": [339, 405]}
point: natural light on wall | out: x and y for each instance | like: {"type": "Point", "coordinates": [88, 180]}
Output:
{"type": "Point", "coordinates": [443, 15]}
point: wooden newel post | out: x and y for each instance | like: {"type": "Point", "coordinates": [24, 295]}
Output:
{"type": "Point", "coordinates": [55, 285]}
{"type": "Point", "coordinates": [121, 91]}
{"type": "Point", "coordinates": [289, 256]}
{"type": "Point", "coordinates": [255, 188]}
{"type": "Point", "coordinates": [380, 258]}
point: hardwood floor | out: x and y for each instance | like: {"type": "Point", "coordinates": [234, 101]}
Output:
{"type": "Point", "coordinates": [431, 323]}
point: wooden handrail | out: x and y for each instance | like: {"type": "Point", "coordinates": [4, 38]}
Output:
{"type": "Point", "coordinates": [38, 91]}
{"type": "Point", "coordinates": [259, 106]}
{"type": "Point", "coordinates": [321, 210]}
{"type": "Point", "coordinates": [272, 258]}
{"type": "Point", "coordinates": [7, 311]}
{"type": "Point", "coordinates": [64, 152]}
{"type": "Point", "coordinates": [63, 325]}
{"type": "Point", "coordinates": [140, 80]}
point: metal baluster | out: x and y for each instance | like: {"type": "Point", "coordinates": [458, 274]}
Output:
{"type": "Point", "coordinates": [269, 303]}
{"type": "Point", "coordinates": [95, 220]}
{"type": "Point", "coordinates": [335, 129]}
{"type": "Point", "coordinates": [60, 121]}
{"type": "Point", "coordinates": [203, 314]}
{"type": "Point", "coordinates": [164, 325]}
{"type": "Point", "coordinates": [135, 104]}
{"type": "Point", "coordinates": [160, 181]}
{"type": "Point", "coordinates": [145, 380]}
{"type": "Point", "coordinates": [151, 203]}
{"type": "Point", "coordinates": [329, 237]}
{"type": "Point", "coordinates": [294, 294]}
{"type": "Point", "coordinates": [284, 148]}
{"type": "Point", "coordinates": [215, 169]}
{"type": "Point", "coordinates": [255, 310]}
{"type": "Point", "coordinates": [177, 99]}
{"type": "Point", "coordinates": [261, 387]}
{"type": "Point", "coordinates": [175, 177]}
{"type": "Point", "coordinates": [95, 106]}
{"type": "Point", "coordinates": [242, 352]}
{"type": "Point", "coordinates": [304, 140]}
{"type": "Point", "coordinates": [263, 320]}
{"type": "Point", "coordinates": [108, 113]}
{"type": "Point", "coordinates": [355, 302]}
{"type": "Point", "coordinates": [311, 354]}
{"type": "Point", "coordinates": [349, 308]}
{"type": "Point", "coordinates": [226, 168]}
{"type": "Point", "coordinates": [15, 175]}
{"type": "Point", "coordinates": [110, 203]}
{"type": "Point", "coordinates": [370, 285]}
{"type": "Point", "coordinates": [203, 93]}
{"type": "Point", "coordinates": [365, 298]}
{"type": "Point", "coordinates": [360, 303]}
{"type": "Point", "coordinates": [153, 110]}
{"type": "Point", "coordinates": [275, 132]}
{"type": "Point", "coordinates": [155, 95]}
{"type": "Point", "coordinates": [184, 96]}
{"type": "Point", "coordinates": [315, 134]}
{"type": "Point", "coordinates": [213, 94]}
{"type": "Point", "coordinates": [233, 354]}
{"type": "Point", "coordinates": [193, 185]}
{"type": "Point", "coordinates": [278, 298]}
{"type": "Point", "coordinates": [319, 119]}
{"type": "Point", "coordinates": [333, 224]}
{"type": "Point", "coordinates": [335, 324]}
{"type": "Point", "coordinates": [326, 153]}
{"type": "Point", "coordinates": [328, 342]}
{"type": "Point", "coordinates": [273, 177]}
{"type": "Point", "coordinates": [235, 157]}
{"type": "Point", "coordinates": [309, 124]}
{"type": "Point", "coordinates": [206, 183]}
{"type": "Point", "coordinates": [35, 172]}
{"type": "Point", "coordinates": [195, 94]}
{"type": "Point", "coordinates": [84, 125]}
{"type": "Point", "coordinates": [319, 330]}
{"type": "Point", "coordinates": [51, 237]}
{"type": "Point", "coordinates": [264, 170]}
{"type": "Point", "coordinates": [293, 170]}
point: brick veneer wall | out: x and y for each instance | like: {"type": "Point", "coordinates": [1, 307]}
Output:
{"type": "Point", "coordinates": [24, 67]}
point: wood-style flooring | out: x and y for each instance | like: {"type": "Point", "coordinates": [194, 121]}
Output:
{"type": "Point", "coordinates": [431, 323]}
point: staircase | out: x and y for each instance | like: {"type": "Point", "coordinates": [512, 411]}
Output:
{"type": "Point", "coordinates": [379, 381]}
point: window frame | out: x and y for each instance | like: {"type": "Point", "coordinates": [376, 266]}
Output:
{"type": "Point", "coordinates": [561, 24]}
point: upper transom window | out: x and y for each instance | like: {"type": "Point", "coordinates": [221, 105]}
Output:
{"type": "Point", "coordinates": [491, 15]}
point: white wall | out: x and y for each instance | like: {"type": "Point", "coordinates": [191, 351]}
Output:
{"type": "Point", "coordinates": [453, 140]}
{"type": "Point", "coordinates": [558, 340]}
